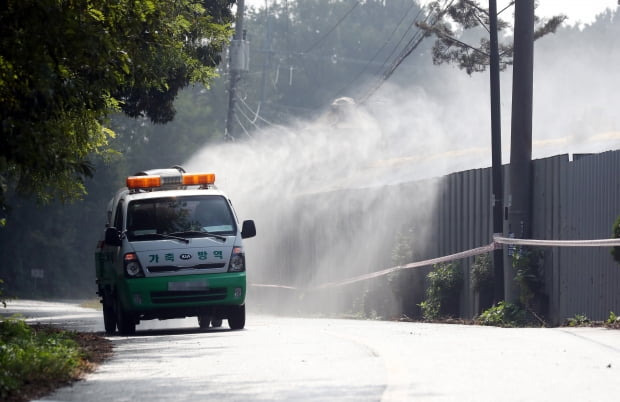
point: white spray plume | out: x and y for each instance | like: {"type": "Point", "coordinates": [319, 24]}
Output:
{"type": "Point", "coordinates": [305, 184]}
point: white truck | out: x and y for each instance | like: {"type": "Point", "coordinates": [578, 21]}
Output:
{"type": "Point", "coordinates": [172, 248]}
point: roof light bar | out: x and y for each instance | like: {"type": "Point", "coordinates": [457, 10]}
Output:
{"type": "Point", "coordinates": [198, 178]}
{"type": "Point", "coordinates": [143, 181]}
{"type": "Point", "coordinates": [150, 181]}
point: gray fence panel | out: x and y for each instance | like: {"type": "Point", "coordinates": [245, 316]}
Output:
{"type": "Point", "coordinates": [590, 279]}
{"type": "Point", "coordinates": [571, 200]}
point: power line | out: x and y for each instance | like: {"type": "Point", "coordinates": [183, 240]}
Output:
{"type": "Point", "coordinates": [413, 4]}
{"type": "Point", "coordinates": [242, 126]}
{"type": "Point", "coordinates": [413, 43]}
{"type": "Point", "coordinates": [246, 117]}
{"type": "Point", "coordinates": [321, 39]}
{"type": "Point", "coordinates": [257, 116]}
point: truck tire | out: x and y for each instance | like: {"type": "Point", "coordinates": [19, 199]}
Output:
{"type": "Point", "coordinates": [204, 321]}
{"type": "Point", "coordinates": [109, 319]}
{"type": "Point", "coordinates": [216, 322]}
{"type": "Point", "coordinates": [236, 317]}
{"type": "Point", "coordinates": [124, 321]}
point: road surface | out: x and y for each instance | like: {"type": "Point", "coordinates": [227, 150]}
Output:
{"type": "Point", "coordinates": [277, 358]}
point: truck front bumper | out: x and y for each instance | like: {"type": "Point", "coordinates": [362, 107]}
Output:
{"type": "Point", "coordinates": [181, 295]}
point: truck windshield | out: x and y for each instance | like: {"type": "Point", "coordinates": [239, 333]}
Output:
{"type": "Point", "coordinates": [191, 216]}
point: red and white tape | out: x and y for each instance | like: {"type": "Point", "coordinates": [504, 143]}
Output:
{"type": "Point", "coordinates": [556, 243]}
{"type": "Point", "coordinates": [498, 241]}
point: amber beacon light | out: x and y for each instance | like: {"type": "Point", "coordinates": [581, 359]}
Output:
{"type": "Point", "coordinates": [198, 178]}
{"type": "Point", "coordinates": [143, 181]}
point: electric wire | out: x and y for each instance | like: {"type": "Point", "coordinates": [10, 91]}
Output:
{"type": "Point", "coordinates": [242, 126]}
{"type": "Point", "coordinates": [322, 38]}
{"type": "Point", "coordinates": [378, 52]}
{"type": "Point", "coordinates": [258, 116]}
{"type": "Point", "coordinates": [413, 43]}
{"type": "Point", "coordinates": [239, 110]}
{"type": "Point", "coordinates": [392, 53]}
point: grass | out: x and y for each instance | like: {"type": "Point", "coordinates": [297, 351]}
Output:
{"type": "Point", "coordinates": [36, 359]}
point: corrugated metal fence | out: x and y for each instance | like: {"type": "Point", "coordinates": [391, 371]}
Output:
{"type": "Point", "coordinates": [572, 200]}
{"type": "Point", "coordinates": [579, 200]}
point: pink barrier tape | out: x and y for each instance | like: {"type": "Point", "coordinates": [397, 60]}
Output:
{"type": "Point", "coordinates": [432, 261]}
{"type": "Point", "coordinates": [557, 243]}
{"type": "Point", "coordinates": [498, 241]}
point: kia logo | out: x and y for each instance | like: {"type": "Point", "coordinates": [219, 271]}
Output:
{"type": "Point", "coordinates": [185, 256]}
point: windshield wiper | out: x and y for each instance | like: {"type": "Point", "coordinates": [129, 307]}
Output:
{"type": "Point", "coordinates": [200, 233]}
{"type": "Point", "coordinates": [167, 236]}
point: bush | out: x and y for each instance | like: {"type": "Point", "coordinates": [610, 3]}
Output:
{"type": "Point", "coordinates": [615, 251]}
{"type": "Point", "coordinates": [503, 315]}
{"type": "Point", "coordinates": [442, 293]}
{"type": "Point", "coordinates": [527, 263]}
{"type": "Point", "coordinates": [33, 355]}
{"type": "Point", "coordinates": [613, 318]}
{"type": "Point", "coordinates": [482, 274]}
{"type": "Point", "coordinates": [579, 320]}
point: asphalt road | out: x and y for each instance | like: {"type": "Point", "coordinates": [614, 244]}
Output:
{"type": "Point", "coordinates": [277, 358]}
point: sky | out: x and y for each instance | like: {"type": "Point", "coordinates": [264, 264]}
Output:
{"type": "Point", "coordinates": [578, 11]}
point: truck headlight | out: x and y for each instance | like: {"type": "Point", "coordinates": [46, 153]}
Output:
{"type": "Point", "coordinates": [237, 260]}
{"type": "Point", "coordinates": [133, 269]}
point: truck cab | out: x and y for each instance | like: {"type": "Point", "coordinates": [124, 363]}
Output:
{"type": "Point", "coordinates": [172, 248]}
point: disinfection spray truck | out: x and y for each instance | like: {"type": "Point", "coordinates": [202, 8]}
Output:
{"type": "Point", "coordinates": [172, 248]}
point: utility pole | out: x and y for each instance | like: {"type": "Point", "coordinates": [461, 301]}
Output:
{"type": "Point", "coordinates": [238, 61]}
{"type": "Point", "coordinates": [268, 53]}
{"type": "Point", "coordinates": [496, 153]}
{"type": "Point", "coordinates": [520, 172]}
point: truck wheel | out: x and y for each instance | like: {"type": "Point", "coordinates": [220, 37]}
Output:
{"type": "Point", "coordinates": [109, 319]}
{"type": "Point", "coordinates": [124, 321]}
{"type": "Point", "coordinates": [216, 322]}
{"type": "Point", "coordinates": [236, 317]}
{"type": "Point", "coordinates": [203, 321]}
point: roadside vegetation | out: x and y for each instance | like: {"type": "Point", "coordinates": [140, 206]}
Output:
{"type": "Point", "coordinates": [443, 292]}
{"type": "Point", "coordinates": [36, 359]}
{"type": "Point", "coordinates": [581, 320]}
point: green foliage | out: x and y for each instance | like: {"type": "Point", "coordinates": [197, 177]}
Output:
{"type": "Point", "coordinates": [503, 314]}
{"type": "Point", "coordinates": [527, 263]}
{"type": "Point", "coordinates": [444, 286]}
{"type": "Point", "coordinates": [60, 239]}
{"type": "Point", "coordinates": [482, 274]}
{"type": "Point", "coordinates": [66, 66]}
{"type": "Point", "coordinates": [431, 308]}
{"type": "Point", "coordinates": [30, 355]}
{"type": "Point", "coordinates": [613, 319]}
{"type": "Point", "coordinates": [579, 320]}
{"type": "Point", "coordinates": [470, 15]}
{"type": "Point", "coordinates": [615, 251]}
{"type": "Point", "coordinates": [402, 253]}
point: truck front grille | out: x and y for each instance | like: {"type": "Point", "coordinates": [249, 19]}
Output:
{"type": "Point", "coordinates": [172, 268]}
{"type": "Point", "coordinates": [188, 296]}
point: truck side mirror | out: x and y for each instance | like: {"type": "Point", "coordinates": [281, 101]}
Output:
{"type": "Point", "coordinates": [112, 237]}
{"type": "Point", "coordinates": [248, 229]}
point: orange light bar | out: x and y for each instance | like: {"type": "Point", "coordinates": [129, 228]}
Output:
{"type": "Point", "coordinates": [198, 178]}
{"type": "Point", "coordinates": [143, 181]}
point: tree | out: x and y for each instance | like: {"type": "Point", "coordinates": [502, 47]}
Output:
{"type": "Point", "coordinates": [469, 15]}
{"type": "Point", "coordinates": [65, 66]}
{"type": "Point", "coordinates": [312, 52]}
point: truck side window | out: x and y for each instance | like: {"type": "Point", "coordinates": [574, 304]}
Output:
{"type": "Point", "coordinates": [118, 218]}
